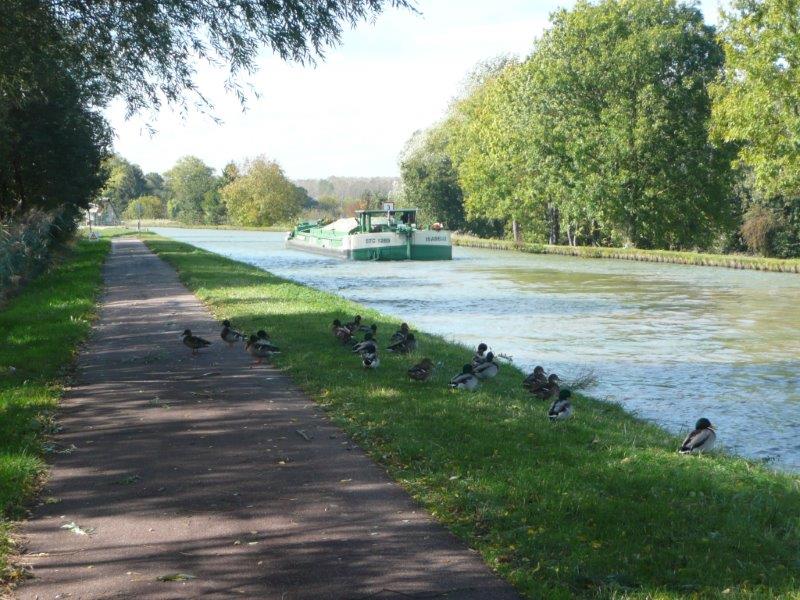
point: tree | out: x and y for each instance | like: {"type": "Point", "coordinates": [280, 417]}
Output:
{"type": "Point", "coordinates": [145, 207]}
{"type": "Point", "coordinates": [144, 52]}
{"type": "Point", "coordinates": [154, 185]}
{"type": "Point", "coordinates": [192, 189]}
{"type": "Point", "coordinates": [124, 182]}
{"type": "Point", "coordinates": [262, 195]}
{"type": "Point", "coordinates": [757, 99]}
{"type": "Point", "coordinates": [430, 181]}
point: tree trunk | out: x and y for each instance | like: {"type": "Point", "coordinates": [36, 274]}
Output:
{"type": "Point", "coordinates": [515, 231]}
{"type": "Point", "coordinates": [554, 225]}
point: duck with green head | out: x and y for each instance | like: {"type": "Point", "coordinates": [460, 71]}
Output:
{"type": "Point", "coordinates": [465, 380]}
{"type": "Point", "coordinates": [561, 408]}
{"type": "Point", "coordinates": [229, 335]}
{"type": "Point", "coordinates": [702, 439]}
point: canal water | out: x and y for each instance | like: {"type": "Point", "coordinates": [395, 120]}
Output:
{"type": "Point", "coordinates": [671, 343]}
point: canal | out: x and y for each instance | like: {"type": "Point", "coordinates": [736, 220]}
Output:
{"type": "Point", "coordinates": [670, 343]}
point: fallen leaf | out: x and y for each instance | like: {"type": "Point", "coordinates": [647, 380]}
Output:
{"type": "Point", "coordinates": [176, 577]}
{"type": "Point", "coordinates": [77, 529]}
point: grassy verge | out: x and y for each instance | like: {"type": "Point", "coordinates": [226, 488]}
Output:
{"type": "Point", "coordinates": [599, 506]}
{"type": "Point", "coordinates": [39, 331]}
{"type": "Point", "coordinates": [733, 261]}
{"type": "Point", "coordinates": [170, 223]}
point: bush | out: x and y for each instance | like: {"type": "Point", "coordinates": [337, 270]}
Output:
{"type": "Point", "coordinates": [759, 223]}
{"type": "Point", "coordinates": [152, 207]}
{"type": "Point", "coordinates": [26, 245]}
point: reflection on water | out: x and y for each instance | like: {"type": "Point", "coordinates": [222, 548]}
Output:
{"type": "Point", "coordinates": [669, 342]}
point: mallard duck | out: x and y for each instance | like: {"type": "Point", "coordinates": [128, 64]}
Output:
{"type": "Point", "coordinates": [465, 380]}
{"type": "Point", "coordinates": [536, 378]}
{"type": "Point", "coordinates": [479, 356]}
{"type": "Point", "coordinates": [342, 333]}
{"type": "Point", "coordinates": [230, 336]}
{"type": "Point", "coordinates": [370, 360]}
{"type": "Point", "coordinates": [400, 334]}
{"type": "Point", "coordinates": [194, 342]}
{"type": "Point", "coordinates": [354, 324]}
{"type": "Point", "coordinates": [422, 370]}
{"type": "Point", "coordinates": [368, 328]}
{"type": "Point", "coordinates": [548, 389]}
{"type": "Point", "coordinates": [702, 439]}
{"type": "Point", "coordinates": [368, 346]}
{"type": "Point", "coordinates": [257, 350]}
{"type": "Point", "coordinates": [561, 408]}
{"type": "Point", "coordinates": [405, 346]}
{"type": "Point", "coordinates": [263, 341]}
{"type": "Point", "coordinates": [487, 369]}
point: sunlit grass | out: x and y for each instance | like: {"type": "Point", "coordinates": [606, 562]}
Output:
{"type": "Point", "coordinates": [599, 506]}
{"type": "Point", "coordinates": [39, 331]}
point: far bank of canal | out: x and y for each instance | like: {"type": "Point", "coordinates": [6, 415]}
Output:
{"type": "Point", "coordinates": [669, 342]}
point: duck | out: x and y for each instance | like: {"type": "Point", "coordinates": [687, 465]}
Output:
{"type": "Point", "coordinates": [422, 370]}
{"type": "Point", "coordinates": [465, 380]}
{"type": "Point", "coordinates": [409, 344]}
{"type": "Point", "coordinates": [194, 342]}
{"type": "Point", "coordinates": [354, 324]}
{"type": "Point", "coordinates": [370, 360]}
{"type": "Point", "coordinates": [257, 350]}
{"type": "Point", "coordinates": [479, 354]}
{"type": "Point", "coordinates": [487, 369]}
{"type": "Point", "coordinates": [561, 408]}
{"type": "Point", "coordinates": [536, 378]}
{"type": "Point", "coordinates": [400, 334]}
{"type": "Point", "coordinates": [367, 328]}
{"type": "Point", "coordinates": [229, 335]}
{"type": "Point", "coordinates": [702, 439]}
{"type": "Point", "coordinates": [342, 333]}
{"type": "Point", "coordinates": [548, 389]}
{"type": "Point", "coordinates": [368, 346]}
{"type": "Point", "coordinates": [263, 341]}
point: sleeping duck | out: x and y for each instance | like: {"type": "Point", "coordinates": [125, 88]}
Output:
{"type": "Point", "coordinates": [480, 355]}
{"type": "Point", "coordinates": [487, 369]}
{"type": "Point", "coordinates": [422, 370]}
{"type": "Point", "coordinates": [367, 328]}
{"type": "Point", "coordinates": [400, 334]}
{"type": "Point", "coordinates": [354, 324]}
{"type": "Point", "coordinates": [342, 333]}
{"type": "Point", "coordinates": [465, 380]}
{"type": "Point", "coordinates": [548, 389]}
{"type": "Point", "coordinates": [194, 342]}
{"type": "Point", "coordinates": [702, 439]}
{"type": "Point", "coordinates": [561, 408]}
{"type": "Point", "coordinates": [258, 350]}
{"type": "Point", "coordinates": [370, 360]}
{"type": "Point", "coordinates": [368, 346]}
{"type": "Point", "coordinates": [409, 344]}
{"type": "Point", "coordinates": [263, 341]}
{"type": "Point", "coordinates": [229, 335]}
{"type": "Point", "coordinates": [537, 378]}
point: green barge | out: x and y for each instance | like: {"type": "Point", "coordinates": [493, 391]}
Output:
{"type": "Point", "coordinates": [387, 234]}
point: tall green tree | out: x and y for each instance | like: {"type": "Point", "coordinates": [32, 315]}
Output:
{"type": "Point", "coordinates": [430, 181]}
{"type": "Point", "coordinates": [125, 181]}
{"type": "Point", "coordinates": [192, 189]}
{"type": "Point", "coordinates": [757, 99]}
{"type": "Point", "coordinates": [262, 195]}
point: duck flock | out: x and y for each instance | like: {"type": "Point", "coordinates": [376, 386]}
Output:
{"type": "Point", "coordinates": [482, 367]}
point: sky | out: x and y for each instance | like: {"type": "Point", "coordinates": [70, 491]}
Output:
{"type": "Point", "coordinates": [351, 114]}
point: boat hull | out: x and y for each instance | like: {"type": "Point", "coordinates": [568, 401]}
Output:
{"type": "Point", "coordinates": [421, 245]}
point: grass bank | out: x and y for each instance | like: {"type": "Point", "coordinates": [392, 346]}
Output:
{"type": "Point", "coordinates": [39, 331]}
{"type": "Point", "coordinates": [170, 223]}
{"type": "Point", "coordinates": [732, 261]}
{"type": "Point", "coordinates": [599, 506]}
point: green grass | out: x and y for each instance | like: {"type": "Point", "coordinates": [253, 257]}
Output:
{"type": "Point", "coordinates": [39, 331]}
{"type": "Point", "coordinates": [700, 259]}
{"type": "Point", "coordinates": [599, 506]}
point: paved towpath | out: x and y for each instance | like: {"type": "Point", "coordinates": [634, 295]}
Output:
{"type": "Point", "coordinates": [195, 466]}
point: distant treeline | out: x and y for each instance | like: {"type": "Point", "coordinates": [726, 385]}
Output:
{"type": "Point", "coordinates": [348, 187]}
{"type": "Point", "coordinates": [629, 124]}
